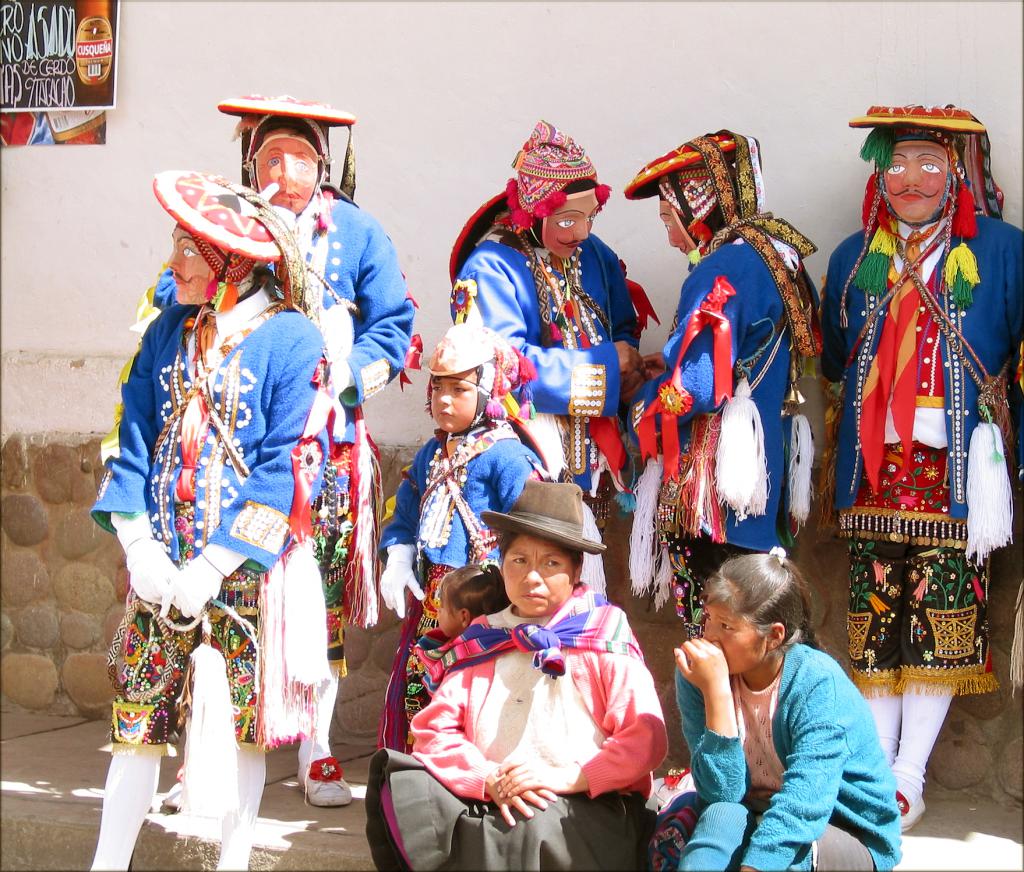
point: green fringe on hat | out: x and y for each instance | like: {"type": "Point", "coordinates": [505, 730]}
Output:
{"type": "Point", "coordinates": [878, 147]}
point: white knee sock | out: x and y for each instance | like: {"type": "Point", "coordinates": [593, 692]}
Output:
{"type": "Point", "coordinates": [319, 746]}
{"type": "Point", "coordinates": [887, 712]}
{"type": "Point", "coordinates": [923, 716]}
{"type": "Point", "coordinates": [127, 795]}
{"type": "Point", "coordinates": [239, 828]}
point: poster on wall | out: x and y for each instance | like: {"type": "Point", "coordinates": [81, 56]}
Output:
{"type": "Point", "coordinates": [86, 127]}
{"type": "Point", "coordinates": [58, 55]}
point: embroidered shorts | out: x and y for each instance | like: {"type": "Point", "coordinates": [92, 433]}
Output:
{"type": "Point", "coordinates": [918, 619]}
{"type": "Point", "coordinates": [694, 560]}
{"type": "Point", "coordinates": [332, 538]}
{"type": "Point", "coordinates": [148, 659]}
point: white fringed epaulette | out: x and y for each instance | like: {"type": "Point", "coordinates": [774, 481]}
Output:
{"type": "Point", "coordinates": [740, 462]}
{"type": "Point", "coordinates": [801, 462]}
{"type": "Point", "coordinates": [989, 497]}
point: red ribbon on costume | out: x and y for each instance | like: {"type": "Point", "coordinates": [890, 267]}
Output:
{"type": "Point", "coordinates": [641, 302]}
{"type": "Point", "coordinates": [673, 400]}
{"type": "Point", "coordinates": [194, 423]}
{"type": "Point", "coordinates": [605, 433]}
{"type": "Point", "coordinates": [413, 358]}
{"type": "Point", "coordinates": [307, 456]}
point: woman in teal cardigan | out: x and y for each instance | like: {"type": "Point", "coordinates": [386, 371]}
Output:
{"type": "Point", "coordinates": [787, 764]}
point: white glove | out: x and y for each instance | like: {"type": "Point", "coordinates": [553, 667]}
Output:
{"type": "Point", "coordinates": [150, 568]}
{"type": "Point", "coordinates": [341, 378]}
{"type": "Point", "coordinates": [398, 576]}
{"type": "Point", "coordinates": [193, 587]}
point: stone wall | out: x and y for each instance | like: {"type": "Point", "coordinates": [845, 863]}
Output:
{"type": "Point", "coordinates": [63, 583]}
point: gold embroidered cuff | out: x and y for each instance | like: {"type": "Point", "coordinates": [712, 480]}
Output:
{"type": "Point", "coordinates": [587, 391]}
{"type": "Point", "coordinates": [262, 526]}
{"type": "Point", "coordinates": [374, 377]}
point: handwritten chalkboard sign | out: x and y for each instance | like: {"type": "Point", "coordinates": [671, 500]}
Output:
{"type": "Point", "coordinates": [58, 55]}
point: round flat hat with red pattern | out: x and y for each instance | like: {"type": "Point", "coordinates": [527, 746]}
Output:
{"type": "Point", "coordinates": [948, 118]}
{"type": "Point", "coordinates": [645, 182]}
{"type": "Point", "coordinates": [288, 107]}
{"type": "Point", "coordinates": [202, 204]}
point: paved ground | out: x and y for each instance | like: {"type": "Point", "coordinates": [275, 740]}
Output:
{"type": "Point", "coordinates": [52, 789]}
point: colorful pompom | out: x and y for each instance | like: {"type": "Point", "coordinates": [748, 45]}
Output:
{"type": "Point", "coordinates": [961, 275]}
{"type": "Point", "coordinates": [964, 224]}
{"type": "Point", "coordinates": [552, 201]}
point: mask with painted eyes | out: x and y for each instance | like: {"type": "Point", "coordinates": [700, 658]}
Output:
{"type": "Point", "coordinates": [290, 162]}
{"type": "Point", "coordinates": [192, 274]}
{"type": "Point", "coordinates": [677, 235]}
{"type": "Point", "coordinates": [570, 224]}
{"type": "Point", "coordinates": [918, 181]}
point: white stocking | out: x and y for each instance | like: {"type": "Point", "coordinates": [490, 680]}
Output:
{"type": "Point", "coordinates": [923, 716]}
{"type": "Point", "coordinates": [131, 784]}
{"type": "Point", "coordinates": [239, 828]}
{"type": "Point", "coordinates": [887, 712]}
{"type": "Point", "coordinates": [320, 745]}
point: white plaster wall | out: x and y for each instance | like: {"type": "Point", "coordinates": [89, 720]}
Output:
{"type": "Point", "coordinates": [446, 93]}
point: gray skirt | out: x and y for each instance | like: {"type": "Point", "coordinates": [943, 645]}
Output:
{"type": "Point", "coordinates": [414, 822]}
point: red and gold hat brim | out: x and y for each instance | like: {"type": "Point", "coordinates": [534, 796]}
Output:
{"type": "Point", "coordinates": [473, 231]}
{"type": "Point", "coordinates": [287, 107]}
{"type": "Point", "coordinates": [645, 182]}
{"type": "Point", "coordinates": [950, 119]}
{"type": "Point", "coordinates": [201, 204]}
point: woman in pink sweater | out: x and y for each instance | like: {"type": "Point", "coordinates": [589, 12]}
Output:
{"type": "Point", "coordinates": [537, 747]}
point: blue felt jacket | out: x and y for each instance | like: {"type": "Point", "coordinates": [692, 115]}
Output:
{"type": "Point", "coordinates": [507, 303]}
{"type": "Point", "coordinates": [835, 771]}
{"type": "Point", "coordinates": [753, 312]}
{"type": "Point", "coordinates": [362, 267]}
{"type": "Point", "coordinates": [263, 392]}
{"type": "Point", "coordinates": [494, 481]}
{"type": "Point", "coordinates": [992, 326]}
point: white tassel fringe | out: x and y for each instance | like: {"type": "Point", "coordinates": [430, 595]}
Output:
{"type": "Point", "coordinates": [801, 461]}
{"type": "Point", "coordinates": [546, 432]}
{"type": "Point", "coordinates": [643, 539]}
{"type": "Point", "coordinates": [663, 580]}
{"type": "Point", "coordinates": [593, 564]}
{"type": "Point", "coordinates": [364, 567]}
{"type": "Point", "coordinates": [989, 498]}
{"type": "Point", "coordinates": [305, 618]}
{"type": "Point", "coordinates": [210, 782]}
{"type": "Point", "coordinates": [286, 709]}
{"type": "Point", "coordinates": [741, 466]}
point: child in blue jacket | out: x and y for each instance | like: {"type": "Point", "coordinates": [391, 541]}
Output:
{"type": "Point", "coordinates": [474, 462]}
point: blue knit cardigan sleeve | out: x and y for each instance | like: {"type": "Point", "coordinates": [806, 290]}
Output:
{"type": "Point", "coordinates": [717, 762]}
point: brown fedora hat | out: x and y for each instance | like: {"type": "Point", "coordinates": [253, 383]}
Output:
{"type": "Point", "coordinates": [548, 511]}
